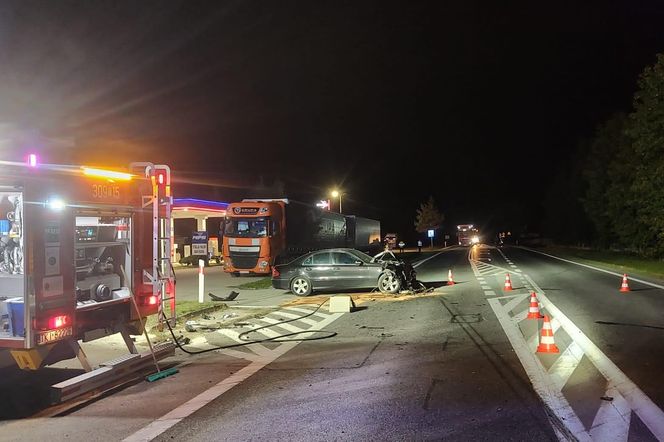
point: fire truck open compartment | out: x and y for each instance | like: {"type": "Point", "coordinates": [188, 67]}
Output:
{"type": "Point", "coordinates": [12, 275]}
{"type": "Point", "coordinates": [103, 245]}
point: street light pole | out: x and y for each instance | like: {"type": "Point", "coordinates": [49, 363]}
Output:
{"type": "Point", "coordinates": [340, 202]}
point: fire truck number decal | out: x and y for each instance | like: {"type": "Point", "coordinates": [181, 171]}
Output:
{"type": "Point", "coordinates": [54, 335]}
{"type": "Point", "coordinates": [105, 191]}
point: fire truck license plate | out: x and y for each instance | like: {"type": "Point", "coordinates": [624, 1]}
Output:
{"type": "Point", "coordinates": [54, 335]}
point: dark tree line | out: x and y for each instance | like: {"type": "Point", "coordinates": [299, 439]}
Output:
{"type": "Point", "coordinates": [614, 198]}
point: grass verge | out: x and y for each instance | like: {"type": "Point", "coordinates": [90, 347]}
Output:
{"type": "Point", "coordinates": [263, 283]}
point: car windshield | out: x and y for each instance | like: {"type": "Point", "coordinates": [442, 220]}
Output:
{"type": "Point", "coordinates": [246, 227]}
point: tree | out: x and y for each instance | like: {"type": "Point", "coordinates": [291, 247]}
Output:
{"type": "Point", "coordinates": [607, 173]}
{"type": "Point", "coordinates": [428, 216]}
{"type": "Point", "coordinates": [646, 129]}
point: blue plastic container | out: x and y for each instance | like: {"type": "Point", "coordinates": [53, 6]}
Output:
{"type": "Point", "coordinates": [16, 316]}
{"type": "Point", "coordinates": [4, 227]}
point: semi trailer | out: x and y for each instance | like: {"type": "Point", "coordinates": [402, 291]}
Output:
{"type": "Point", "coordinates": [259, 233]}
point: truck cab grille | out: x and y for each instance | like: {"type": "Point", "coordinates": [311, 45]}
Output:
{"type": "Point", "coordinates": [244, 260]}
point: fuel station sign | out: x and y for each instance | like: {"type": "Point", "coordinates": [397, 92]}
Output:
{"type": "Point", "coordinates": [199, 243]}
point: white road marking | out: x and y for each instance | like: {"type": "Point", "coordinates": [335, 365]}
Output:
{"type": "Point", "coordinates": [613, 418]}
{"type": "Point", "coordinates": [516, 300]}
{"type": "Point", "coordinates": [288, 326]}
{"type": "Point", "coordinates": [167, 421]}
{"type": "Point", "coordinates": [305, 311]}
{"type": "Point", "coordinates": [257, 348]}
{"type": "Point", "coordinates": [651, 284]}
{"type": "Point", "coordinates": [489, 293]}
{"type": "Point", "coordinates": [542, 383]}
{"type": "Point", "coordinates": [562, 369]}
{"type": "Point", "coordinates": [520, 316]}
{"type": "Point", "coordinates": [642, 405]}
{"type": "Point", "coordinates": [293, 316]}
{"type": "Point", "coordinates": [419, 263]}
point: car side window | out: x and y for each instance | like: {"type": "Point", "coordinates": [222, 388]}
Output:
{"type": "Point", "coordinates": [344, 258]}
{"type": "Point", "coordinates": [308, 261]}
{"type": "Point", "coordinates": [321, 259]}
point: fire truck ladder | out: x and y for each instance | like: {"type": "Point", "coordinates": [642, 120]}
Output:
{"type": "Point", "coordinates": [162, 276]}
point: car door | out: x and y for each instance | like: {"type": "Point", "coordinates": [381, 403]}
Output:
{"type": "Point", "coordinates": [347, 273]}
{"type": "Point", "coordinates": [354, 272]}
{"type": "Point", "coordinates": [319, 270]}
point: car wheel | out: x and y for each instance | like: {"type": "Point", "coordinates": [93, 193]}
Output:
{"type": "Point", "coordinates": [389, 283]}
{"type": "Point", "coordinates": [235, 274]}
{"type": "Point", "coordinates": [300, 286]}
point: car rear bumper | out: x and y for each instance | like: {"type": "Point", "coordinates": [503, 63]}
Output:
{"type": "Point", "coordinates": [280, 284]}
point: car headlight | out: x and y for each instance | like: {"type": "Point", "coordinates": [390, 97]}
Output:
{"type": "Point", "coordinates": [475, 239]}
{"type": "Point", "coordinates": [263, 264]}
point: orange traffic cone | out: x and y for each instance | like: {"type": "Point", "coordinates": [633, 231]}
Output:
{"type": "Point", "coordinates": [546, 344]}
{"type": "Point", "coordinates": [450, 280]}
{"type": "Point", "coordinates": [533, 310]}
{"type": "Point", "coordinates": [508, 283]}
{"type": "Point", "coordinates": [624, 287]}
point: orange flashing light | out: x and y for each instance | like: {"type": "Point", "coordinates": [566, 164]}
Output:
{"type": "Point", "coordinates": [110, 174]}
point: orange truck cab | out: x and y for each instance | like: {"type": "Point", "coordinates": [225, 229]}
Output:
{"type": "Point", "coordinates": [260, 233]}
{"type": "Point", "coordinates": [253, 235]}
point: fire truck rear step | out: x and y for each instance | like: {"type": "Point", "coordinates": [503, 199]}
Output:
{"type": "Point", "coordinates": [110, 373]}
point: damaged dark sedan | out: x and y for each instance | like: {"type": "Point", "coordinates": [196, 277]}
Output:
{"type": "Point", "coordinates": [339, 269]}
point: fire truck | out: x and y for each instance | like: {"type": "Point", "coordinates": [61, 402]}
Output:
{"type": "Point", "coordinates": [84, 253]}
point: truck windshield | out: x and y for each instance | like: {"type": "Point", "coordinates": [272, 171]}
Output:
{"type": "Point", "coordinates": [246, 227]}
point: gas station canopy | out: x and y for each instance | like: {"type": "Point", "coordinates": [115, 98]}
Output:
{"type": "Point", "coordinates": [197, 208]}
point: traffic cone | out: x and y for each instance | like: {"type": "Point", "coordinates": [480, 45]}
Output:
{"type": "Point", "coordinates": [546, 344]}
{"type": "Point", "coordinates": [624, 287]}
{"type": "Point", "coordinates": [450, 280]}
{"type": "Point", "coordinates": [508, 283]}
{"type": "Point", "coordinates": [533, 310]}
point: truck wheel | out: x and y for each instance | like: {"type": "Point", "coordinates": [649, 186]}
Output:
{"type": "Point", "coordinates": [389, 283]}
{"type": "Point", "coordinates": [300, 286]}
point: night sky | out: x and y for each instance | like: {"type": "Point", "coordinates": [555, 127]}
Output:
{"type": "Point", "coordinates": [476, 103]}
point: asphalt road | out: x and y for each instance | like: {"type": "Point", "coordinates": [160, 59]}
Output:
{"type": "Point", "coordinates": [435, 367]}
{"type": "Point", "coordinates": [456, 364]}
{"type": "Point", "coordinates": [627, 327]}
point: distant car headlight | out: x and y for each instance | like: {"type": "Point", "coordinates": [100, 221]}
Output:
{"type": "Point", "coordinates": [475, 239]}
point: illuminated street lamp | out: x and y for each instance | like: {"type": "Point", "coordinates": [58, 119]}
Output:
{"type": "Point", "coordinates": [336, 193]}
